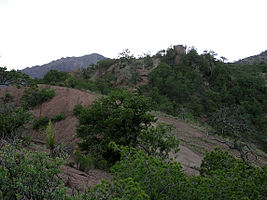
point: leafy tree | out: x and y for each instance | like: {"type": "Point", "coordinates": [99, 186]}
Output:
{"type": "Point", "coordinates": [14, 77]}
{"type": "Point", "coordinates": [124, 119]}
{"type": "Point", "coordinates": [120, 118]}
{"type": "Point", "coordinates": [55, 77]}
{"type": "Point", "coordinates": [158, 141]}
{"type": "Point", "coordinates": [126, 56]}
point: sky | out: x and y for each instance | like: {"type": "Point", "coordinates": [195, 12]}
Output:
{"type": "Point", "coordinates": [35, 32]}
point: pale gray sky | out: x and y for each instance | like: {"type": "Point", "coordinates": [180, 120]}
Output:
{"type": "Point", "coordinates": [35, 32]}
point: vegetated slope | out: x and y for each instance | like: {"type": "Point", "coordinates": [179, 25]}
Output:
{"type": "Point", "coordinates": [64, 101]}
{"type": "Point", "coordinates": [262, 57]}
{"type": "Point", "coordinates": [64, 64]}
{"type": "Point", "coordinates": [193, 142]}
{"type": "Point", "coordinates": [184, 83]}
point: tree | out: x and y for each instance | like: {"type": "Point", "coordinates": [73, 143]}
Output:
{"type": "Point", "coordinates": [231, 122]}
{"type": "Point", "coordinates": [55, 77]}
{"type": "Point", "coordinates": [126, 56]}
{"type": "Point", "coordinates": [120, 118]}
{"type": "Point", "coordinates": [14, 77]}
{"type": "Point", "coordinates": [124, 119]}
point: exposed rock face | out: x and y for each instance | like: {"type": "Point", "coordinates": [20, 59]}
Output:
{"type": "Point", "coordinates": [179, 50]}
{"type": "Point", "coordinates": [63, 64]}
{"type": "Point", "coordinates": [262, 57]}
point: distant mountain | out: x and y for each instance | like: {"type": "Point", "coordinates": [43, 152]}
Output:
{"type": "Point", "coordinates": [63, 64]}
{"type": "Point", "coordinates": [262, 57]}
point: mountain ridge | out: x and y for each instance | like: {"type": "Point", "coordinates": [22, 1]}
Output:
{"type": "Point", "coordinates": [262, 57]}
{"type": "Point", "coordinates": [63, 64]}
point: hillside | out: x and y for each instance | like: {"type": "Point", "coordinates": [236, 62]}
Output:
{"type": "Point", "coordinates": [64, 64]}
{"type": "Point", "coordinates": [193, 141]}
{"type": "Point", "coordinates": [206, 102]}
{"type": "Point", "coordinates": [262, 57]}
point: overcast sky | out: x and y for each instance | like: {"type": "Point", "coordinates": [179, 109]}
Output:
{"type": "Point", "coordinates": [35, 32]}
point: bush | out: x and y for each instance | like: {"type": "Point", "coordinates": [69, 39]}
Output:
{"type": "Point", "coordinates": [159, 179]}
{"type": "Point", "coordinates": [117, 189]}
{"type": "Point", "coordinates": [77, 109]}
{"type": "Point", "coordinates": [217, 160]}
{"type": "Point", "coordinates": [33, 97]}
{"type": "Point", "coordinates": [40, 123]}
{"type": "Point", "coordinates": [59, 117]}
{"type": "Point", "coordinates": [148, 62]}
{"type": "Point", "coordinates": [13, 120]}
{"type": "Point", "coordinates": [84, 162]}
{"type": "Point", "coordinates": [29, 175]}
{"type": "Point", "coordinates": [224, 177]}
{"type": "Point", "coordinates": [56, 77]}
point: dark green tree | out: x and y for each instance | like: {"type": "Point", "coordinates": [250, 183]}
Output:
{"type": "Point", "coordinates": [55, 77]}
{"type": "Point", "coordinates": [122, 118]}
{"type": "Point", "coordinates": [14, 77]}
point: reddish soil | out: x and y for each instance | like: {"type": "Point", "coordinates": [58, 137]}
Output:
{"type": "Point", "coordinates": [195, 143]}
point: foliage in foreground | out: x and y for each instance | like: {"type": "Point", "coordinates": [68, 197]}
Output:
{"type": "Point", "coordinates": [32, 175]}
{"type": "Point", "coordinates": [222, 177]}
{"type": "Point", "coordinates": [118, 189]}
{"type": "Point", "coordinates": [29, 175]}
{"type": "Point", "coordinates": [158, 178]}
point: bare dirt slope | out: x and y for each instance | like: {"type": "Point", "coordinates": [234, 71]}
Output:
{"type": "Point", "coordinates": [194, 143]}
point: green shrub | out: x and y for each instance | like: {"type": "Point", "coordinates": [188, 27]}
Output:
{"type": "Point", "coordinates": [77, 109]}
{"type": "Point", "coordinates": [29, 175]}
{"type": "Point", "coordinates": [148, 62]}
{"type": "Point", "coordinates": [159, 179]}
{"type": "Point", "coordinates": [84, 162]}
{"type": "Point", "coordinates": [55, 77]}
{"type": "Point", "coordinates": [7, 98]}
{"type": "Point", "coordinates": [224, 177]}
{"type": "Point", "coordinates": [126, 189]}
{"type": "Point", "coordinates": [33, 97]}
{"type": "Point", "coordinates": [40, 123]}
{"type": "Point", "coordinates": [50, 137]}
{"type": "Point", "coordinates": [59, 117]}
{"type": "Point", "coordinates": [217, 160]}
{"type": "Point", "coordinates": [12, 121]}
